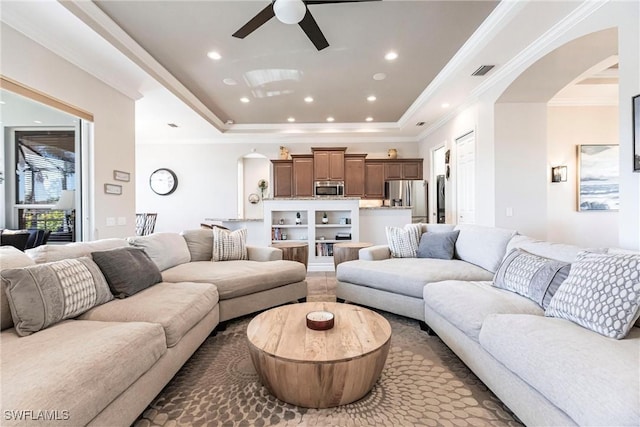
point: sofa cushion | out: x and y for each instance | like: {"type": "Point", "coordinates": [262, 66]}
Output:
{"type": "Point", "coordinates": [437, 245]}
{"type": "Point", "coordinates": [50, 253]}
{"type": "Point", "coordinates": [238, 278]}
{"type": "Point", "coordinates": [165, 249]}
{"type": "Point", "coordinates": [403, 242]}
{"type": "Point", "coordinates": [127, 270]}
{"type": "Point", "coordinates": [482, 246]}
{"type": "Point", "coordinates": [407, 276]}
{"type": "Point", "coordinates": [200, 243]}
{"type": "Point", "coordinates": [229, 245]}
{"type": "Point", "coordinates": [61, 367]}
{"type": "Point", "coordinates": [178, 307]}
{"type": "Point", "coordinates": [44, 294]}
{"type": "Point", "coordinates": [602, 293]}
{"type": "Point", "coordinates": [593, 379]}
{"type": "Point", "coordinates": [467, 304]}
{"type": "Point", "coordinates": [557, 251]}
{"type": "Point", "coordinates": [531, 276]}
{"type": "Point", "coordinates": [10, 257]}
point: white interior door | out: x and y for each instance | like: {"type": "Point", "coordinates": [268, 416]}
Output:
{"type": "Point", "coordinates": [465, 178]}
{"type": "Point", "coordinates": [437, 168]}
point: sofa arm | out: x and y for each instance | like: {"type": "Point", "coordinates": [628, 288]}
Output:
{"type": "Point", "coordinates": [262, 253]}
{"type": "Point", "coordinates": [375, 253]}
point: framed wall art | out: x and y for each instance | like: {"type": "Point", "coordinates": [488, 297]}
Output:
{"type": "Point", "coordinates": [636, 133]}
{"type": "Point", "coordinates": [598, 178]}
{"type": "Point", "coordinates": [113, 189]}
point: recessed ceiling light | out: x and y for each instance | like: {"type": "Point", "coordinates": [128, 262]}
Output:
{"type": "Point", "coordinates": [291, 119]}
{"type": "Point", "coordinates": [330, 119]}
{"type": "Point", "coordinates": [445, 105]}
{"type": "Point", "coordinates": [390, 56]}
{"type": "Point", "coordinates": [369, 119]}
{"type": "Point", "coordinates": [379, 76]}
{"type": "Point", "coordinates": [2, 102]}
{"type": "Point", "coordinates": [214, 55]}
{"type": "Point", "coordinates": [229, 122]}
{"type": "Point", "coordinates": [371, 98]}
{"type": "Point", "coordinates": [244, 99]}
{"type": "Point", "coordinates": [37, 121]}
{"type": "Point", "coordinates": [229, 81]}
{"type": "Point", "coordinates": [308, 99]}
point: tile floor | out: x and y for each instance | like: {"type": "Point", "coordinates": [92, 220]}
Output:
{"type": "Point", "coordinates": [321, 286]}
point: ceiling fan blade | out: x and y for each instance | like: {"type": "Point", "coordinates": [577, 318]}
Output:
{"type": "Point", "coordinates": [263, 16]}
{"type": "Point", "coordinates": [311, 29]}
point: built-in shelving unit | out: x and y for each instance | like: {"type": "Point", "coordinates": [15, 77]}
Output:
{"type": "Point", "coordinates": [341, 225]}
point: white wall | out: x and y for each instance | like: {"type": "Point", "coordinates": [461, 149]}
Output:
{"type": "Point", "coordinates": [114, 136]}
{"type": "Point", "coordinates": [521, 178]}
{"type": "Point", "coordinates": [567, 128]}
{"type": "Point", "coordinates": [208, 176]}
{"type": "Point", "coordinates": [255, 169]}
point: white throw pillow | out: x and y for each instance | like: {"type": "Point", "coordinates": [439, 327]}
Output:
{"type": "Point", "coordinates": [602, 293]}
{"type": "Point", "coordinates": [403, 242]}
{"type": "Point", "coordinates": [229, 245]}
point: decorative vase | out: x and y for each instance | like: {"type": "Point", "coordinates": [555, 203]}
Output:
{"type": "Point", "coordinates": [392, 153]}
{"type": "Point", "coordinates": [284, 153]}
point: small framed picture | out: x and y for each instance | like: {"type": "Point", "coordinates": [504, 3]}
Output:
{"type": "Point", "coordinates": [113, 189]}
{"type": "Point", "coordinates": [121, 176]}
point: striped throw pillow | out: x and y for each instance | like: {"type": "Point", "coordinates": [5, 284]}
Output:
{"type": "Point", "coordinates": [403, 242]}
{"type": "Point", "coordinates": [229, 245]}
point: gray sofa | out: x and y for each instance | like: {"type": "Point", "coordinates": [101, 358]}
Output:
{"type": "Point", "coordinates": [105, 366]}
{"type": "Point", "coordinates": [548, 371]}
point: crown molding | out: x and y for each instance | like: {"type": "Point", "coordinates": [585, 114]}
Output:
{"type": "Point", "coordinates": [102, 24]}
{"type": "Point", "coordinates": [520, 61]}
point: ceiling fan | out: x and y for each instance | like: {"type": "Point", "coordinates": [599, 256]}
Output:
{"type": "Point", "coordinates": [292, 12]}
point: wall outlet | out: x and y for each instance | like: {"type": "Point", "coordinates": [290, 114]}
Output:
{"type": "Point", "coordinates": [122, 220]}
{"type": "Point", "coordinates": [111, 221]}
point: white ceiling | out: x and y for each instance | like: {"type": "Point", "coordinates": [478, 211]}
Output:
{"type": "Point", "coordinates": [155, 52]}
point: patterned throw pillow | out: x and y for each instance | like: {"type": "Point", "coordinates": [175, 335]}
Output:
{"type": "Point", "coordinates": [43, 295]}
{"type": "Point", "coordinates": [229, 245]}
{"type": "Point", "coordinates": [403, 242]}
{"type": "Point", "coordinates": [531, 276]}
{"type": "Point", "coordinates": [602, 293]}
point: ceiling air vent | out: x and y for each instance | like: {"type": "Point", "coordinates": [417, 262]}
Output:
{"type": "Point", "coordinates": [173, 125]}
{"type": "Point", "coordinates": [484, 69]}
{"type": "Point", "coordinates": [420, 124]}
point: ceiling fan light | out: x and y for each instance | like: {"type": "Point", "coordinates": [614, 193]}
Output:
{"type": "Point", "coordinates": [289, 11]}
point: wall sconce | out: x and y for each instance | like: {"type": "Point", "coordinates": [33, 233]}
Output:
{"type": "Point", "coordinates": [558, 174]}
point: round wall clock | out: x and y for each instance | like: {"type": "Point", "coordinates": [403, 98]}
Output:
{"type": "Point", "coordinates": [163, 181]}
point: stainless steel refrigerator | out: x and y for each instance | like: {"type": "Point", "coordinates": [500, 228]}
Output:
{"type": "Point", "coordinates": [412, 193]}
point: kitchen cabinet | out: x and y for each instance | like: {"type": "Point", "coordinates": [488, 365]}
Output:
{"type": "Point", "coordinates": [354, 175]}
{"type": "Point", "coordinates": [374, 179]}
{"type": "Point", "coordinates": [403, 169]}
{"type": "Point", "coordinates": [302, 175]}
{"type": "Point", "coordinates": [282, 178]}
{"type": "Point", "coordinates": [328, 164]}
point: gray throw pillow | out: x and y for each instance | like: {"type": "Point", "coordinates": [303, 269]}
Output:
{"type": "Point", "coordinates": [602, 293]}
{"type": "Point", "coordinates": [45, 294]}
{"type": "Point", "coordinates": [127, 270]}
{"type": "Point", "coordinates": [531, 276]}
{"type": "Point", "coordinates": [438, 245]}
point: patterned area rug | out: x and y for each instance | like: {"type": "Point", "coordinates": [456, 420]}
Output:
{"type": "Point", "coordinates": [422, 384]}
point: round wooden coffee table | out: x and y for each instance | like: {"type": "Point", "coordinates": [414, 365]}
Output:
{"type": "Point", "coordinates": [319, 369]}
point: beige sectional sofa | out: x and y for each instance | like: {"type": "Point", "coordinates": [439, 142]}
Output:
{"type": "Point", "coordinates": [105, 366]}
{"type": "Point", "coordinates": [549, 371]}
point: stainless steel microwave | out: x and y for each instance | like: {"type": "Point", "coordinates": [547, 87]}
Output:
{"type": "Point", "coordinates": [329, 188]}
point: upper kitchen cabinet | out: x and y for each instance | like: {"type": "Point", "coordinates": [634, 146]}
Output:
{"type": "Point", "coordinates": [354, 175]}
{"type": "Point", "coordinates": [403, 169]}
{"type": "Point", "coordinates": [282, 178]}
{"type": "Point", "coordinates": [302, 175]}
{"type": "Point", "coordinates": [328, 164]}
{"type": "Point", "coordinates": [374, 179]}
